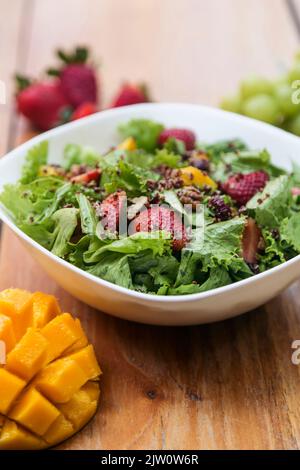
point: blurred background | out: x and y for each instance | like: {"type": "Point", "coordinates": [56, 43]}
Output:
{"type": "Point", "coordinates": [192, 51]}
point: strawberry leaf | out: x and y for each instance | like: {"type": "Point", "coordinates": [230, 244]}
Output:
{"type": "Point", "coordinates": [22, 82]}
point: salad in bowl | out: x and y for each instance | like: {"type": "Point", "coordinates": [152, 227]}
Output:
{"type": "Point", "coordinates": [160, 212]}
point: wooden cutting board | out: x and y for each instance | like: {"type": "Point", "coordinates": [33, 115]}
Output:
{"type": "Point", "coordinates": [230, 385]}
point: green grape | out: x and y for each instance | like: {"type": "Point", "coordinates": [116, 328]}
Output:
{"type": "Point", "coordinates": [262, 107]}
{"type": "Point", "coordinates": [232, 103]}
{"type": "Point", "coordinates": [283, 94]}
{"type": "Point", "coordinates": [255, 85]}
{"type": "Point", "coordinates": [294, 125]}
{"type": "Point", "coordinates": [294, 73]}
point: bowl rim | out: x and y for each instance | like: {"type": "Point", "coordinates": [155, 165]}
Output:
{"type": "Point", "coordinates": [4, 214]}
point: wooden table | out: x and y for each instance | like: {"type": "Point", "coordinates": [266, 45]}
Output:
{"type": "Point", "coordinates": [230, 385]}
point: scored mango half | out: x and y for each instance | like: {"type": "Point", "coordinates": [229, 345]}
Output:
{"type": "Point", "coordinates": [49, 384]}
{"type": "Point", "coordinates": [193, 176]}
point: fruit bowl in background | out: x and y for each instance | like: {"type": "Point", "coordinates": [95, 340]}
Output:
{"type": "Point", "coordinates": [99, 131]}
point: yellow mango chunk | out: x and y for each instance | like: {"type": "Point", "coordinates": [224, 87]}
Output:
{"type": "Point", "coordinates": [80, 343]}
{"type": "Point", "coordinates": [86, 359]}
{"type": "Point", "coordinates": [7, 333]}
{"type": "Point", "coordinates": [127, 144]}
{"type": "Point", "coordinates": [44, 309]}
{"type": "Point", "coordinates": [17, 304]}
{"type": "Point", "coordinates": [29, 355]}
{"type": "Point", "coordinates": [60, 380]}
{"type": "Point", "coordinates": [60, 430]}
{"type": "Point", "coordinates": [80, 408]}
{"type": "Point", "coordinates": [34, 412]}
{"type": "Point", "coordinates": [193, 176]}
{"type": "Point", "coordinates": [14, 437]}
{"type": "Point", "coordinates": [62, 332]}
{"type": "Point", "coordinates": [92, 389]}
{"type": "Point", "coordinates": [10, 387]}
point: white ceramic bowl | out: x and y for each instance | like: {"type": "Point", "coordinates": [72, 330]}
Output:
{"type": "Point", "coordinates": [99, 131]}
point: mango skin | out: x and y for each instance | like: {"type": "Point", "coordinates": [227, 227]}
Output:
{"type": "Point", "coordinates": [49, 386]}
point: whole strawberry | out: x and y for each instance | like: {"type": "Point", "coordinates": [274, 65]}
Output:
{"type": "Point", "coordinates": [185, 135]}
{"type": "Point", "coordinates": [43, 103]}
{"type": "Point", "coordinates": [78, 78]}
{"type": "Point", "coordinates": [130, 94]}
{"type": "Point", "coordinates": [242, 187]}
{"type": "Point", "coordinates": [162, 218]}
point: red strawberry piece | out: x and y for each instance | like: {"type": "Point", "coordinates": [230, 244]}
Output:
{"type": "Point", "coordinates": [79, 84]}
{"type": "Point", "coordinates": [185, 135]}
{"type": "Point", "coordinates": [242, 188]}
{"type": "Point", "coordinates": [250, 242]}
{"type": "Point", "coordinates": [111, 209]}
{"type": "Point", "coordinates": [130, 94]}
{"type": "Point", "coordinates": [42, 103]}
{"type": "Point", "coordinates": [85, 109]}
{"type": "Point", "coordinates": [162, 218]}
{"type": "Point", "coordinates": [296, 191]}
{"type": "Point", "coordinates": [85, 178]}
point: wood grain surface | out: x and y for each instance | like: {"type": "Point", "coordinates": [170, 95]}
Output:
{"type": "Point", "coordinates": [230, 385]}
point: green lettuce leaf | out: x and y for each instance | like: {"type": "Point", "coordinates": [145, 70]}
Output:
{"type": "Point", "coordinates": [75, 154]}
{"type": "Point", "coordinates": [65, 224]}
{"type": "Point", "coordinates": [218, 277]}
{"type": "Point", "coordinates": [144, 131]}
{"type": "Point", "coordinates": [290, 231]}
{"type": "Point", "coordinates": [245, 161]}
{"type": "Point", "coordinates": [114, 268]}
{"type": "Point", "coordinates": [36, 157]}
{"type": "Point", "coordinates": [271, 206]}
{"type": "Point", "coordinates": [87, 215]}
{"type": "Point", "coordinates": [221, 246]}
{"type": "Point", "coordinates": [157, 242]}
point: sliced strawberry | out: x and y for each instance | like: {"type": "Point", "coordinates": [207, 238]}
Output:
{"type": "Point", "coordinates": [85, 178]}
{"type": "Point", "coordinates": [185, 135]}
{"type": "Point", "coordinates": [242, 187]}
{"type": "Point", "coordinates": [43, 104]}
{"type": "Point", "coordinates": [111, 209]}
{"type": "Point", "coordinates": [250, 241]}
{"type": "Point", "coordinates": [85, 109]}
{"type": "Point", "coordinates": [130, 94]}
{"type": "Point", "coordinates": [162, 218]}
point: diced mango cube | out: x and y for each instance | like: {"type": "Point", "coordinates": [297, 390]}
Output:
{"type": "Point", "coordinates": [29, 355]}
{"type": "Point", "coordinates": [127, 144]}
{"type": "Point", "coordinates": [80, 408]}
{"type": "Point", "coordinates": [34, 412]}
{"type": "Point", "coordinates": [7, 333]}
{"type": "Point", "coordinates": [17, 304]}
{"type": "Point", "coordinates": [44, 309]}
{"type": "Point", "coordinates": [193, 176]}
{"type": "Point", "coordinates": [80, 343]}
{"type": "Point", "coordinates": [10, 387]}
{"type": "Point", "coordinates": [13, 437]}
{"type": "Point", "coordinates": [60, 380]}
{"type": "Point", "coordinates": [62, 332]}
{"type": "Point", "coordinates": [86, 359]}
{"type": "Point", "coordinates": [60, 430]}
{"type": "Point", "coordinates": [92, 389]}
